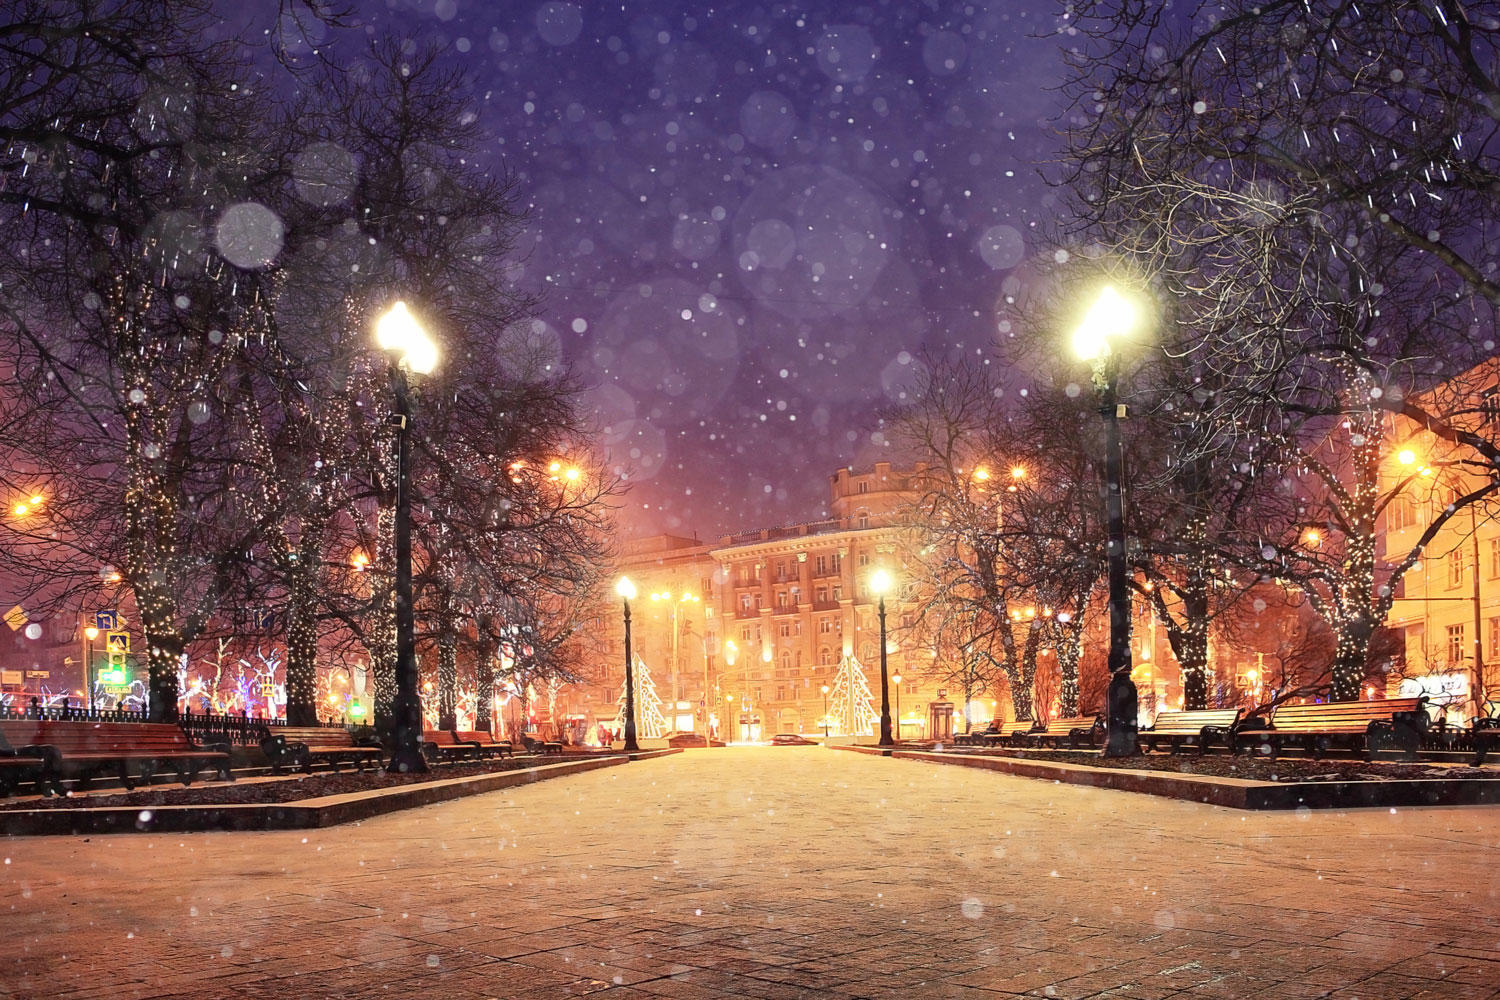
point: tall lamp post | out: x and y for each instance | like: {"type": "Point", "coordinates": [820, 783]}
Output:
{"type": "Point", "coordinates": [730, 651]}
{"type": "Point", "coordinates": [409, 349]}
{"type": "Point", "coordinates": [880, 582]}
{"type": "Point", "coordinates": [825, 711]}
{"type": "Point", "coordinates": [1112, 317]}
{"type": "Point", "coordinates": [89, 635]}
{"type": "Point", "coordinates": [626, 590]}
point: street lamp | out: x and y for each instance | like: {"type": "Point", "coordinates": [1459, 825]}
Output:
{"type": "Point", "coordinates": [880, 583]}
{"type": "Point", "coordinates": [1113, 317]}
{"type": "Point", "coordinates": [409, 349]}
{"type": "Point", "coordinates": [825, 711]}
{"type": "Point", "coordinates": [626, 590]}
{"type": "Point", "coordinates": [89, 635]}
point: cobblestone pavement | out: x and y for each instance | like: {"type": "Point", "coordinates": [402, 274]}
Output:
{"type": "Point", "coordinates": [775, 873]}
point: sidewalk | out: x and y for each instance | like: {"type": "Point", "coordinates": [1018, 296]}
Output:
{"type": "Point", "coordinates": [771, 872]}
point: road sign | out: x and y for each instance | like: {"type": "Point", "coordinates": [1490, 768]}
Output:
{"type": "Point", "coordinates": [117, 642]}
{"type": "Point", "coordinates": [15, 618]}
{"type": "Point", "coordinates": [106, 621]}
{"type": "Point", "coordinates": [263, 617]}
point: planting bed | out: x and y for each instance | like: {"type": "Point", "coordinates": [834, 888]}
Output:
{"type": "Point", "coordinates": [1284, 769]}
{"type": "Point", "coordinates": [290, 789]}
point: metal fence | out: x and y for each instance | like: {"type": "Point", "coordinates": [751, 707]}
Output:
{"type": "Point", "coordinates": [241, 730]}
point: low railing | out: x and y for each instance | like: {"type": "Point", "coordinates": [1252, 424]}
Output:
{"type": "Point", "coordinates": [240, 730]}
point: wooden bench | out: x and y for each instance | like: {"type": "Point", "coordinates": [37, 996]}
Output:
{"type": "Point", "coordinates": [40, 765]}
{"type": "Point", "coordinates": [302, 746]}
{"type": "Point", "coordinates": [1201, 727]}
{"type": "Point", "coordinates": [487, 744]}
{"type": "Point", "coordinates": [1009, 733]}
{"type": "Point", "coordinates": [1074, 730]}
{"type": "Point", "coordinates": [444, 744]}
{"type": "Point", "coordinates": [1367, 725]}
{"type": "Point", "coordinates": [547, 747]}
{"type": "Point", "coordinates": [133, 751]}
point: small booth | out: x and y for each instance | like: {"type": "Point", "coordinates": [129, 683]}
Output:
{"type": "Point", "coordinates": [940, 719]}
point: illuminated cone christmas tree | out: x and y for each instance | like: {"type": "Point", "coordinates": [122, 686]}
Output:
{"type": "Point", "coordinates": [851, 706]}
{"type": "Point", "coordinates": [649, 721]}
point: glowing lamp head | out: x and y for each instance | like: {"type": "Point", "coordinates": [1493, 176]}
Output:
{"type": "Point", "coordinates": [981, 474]}
{"type": "Point", "coordinates": [1018, 472]}
{"type": "Point", "coordinates": [20, 509]}
{"type": "Point", "coordinates": [571, 475]}
{"type": "Point", "coordinates": [880, 582]}
{"type": "Point", "coordinates": [36, 500]}
{"type": "Point", "coordinates": [91, 632]}
{"type": "Point", "coordinates": [625, 588]}
{"type": "Point", "coordinates": [398, 332]}
{"type": "Point", "coordinates": [1110, 317]}
{"type": "Point", "coordinates": [825, 688]}
{"type": "Point", "coordinates": [1406, 456]}
{"type": "Point", "coordinates": [896, 678]}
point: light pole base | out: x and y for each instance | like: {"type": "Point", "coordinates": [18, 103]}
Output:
{"type": "Point", "coordinates": [406, 735]}
{"type": "Point", "coordinates": [1124, 720]}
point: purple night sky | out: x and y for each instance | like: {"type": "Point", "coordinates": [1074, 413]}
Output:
{"type": "Point", "coordinates": [748, 219]}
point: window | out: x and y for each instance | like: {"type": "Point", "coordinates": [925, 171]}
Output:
{"type": "Point", "coordinates": [781, 600]}
{"type": "Point", "coordinates": [784, 629]}
{"type": "Point", "coordinates": [797, 659]}
{"type": "Point", "coordinates": [822, 594]}
{"type": "Point", "coordinates": [796, 595]}
{"type": "Point", "coordinates": [911, 687]}
{"type": "Point", "coordinates": [837, 562]}
{"type": "Point", "coordinates": [1494, 643]}
{"type": "Point", "coordinates": [706, 587]}
{"type": "Point", "coordinates": [1456, 649]}
{"type": "Point", "coordinates": [867, 652]}
{"type": "Point", "coordinates": [745, 601]}
{"type": "Point", "coordinates": [781, 694]}
{"type": "Point", "coordinates": [862, 518]}
{"type": "Point", "coordinates": [1489, 404]}
{"type": "Point", "coordinates": [745, 633]}
{"type": "Point", "coordinates": [1494, 557]}
{"type": "Point", "coordinates": [838, 593]}
{"type": "Point", "coordinates": [786, 660]}
{"type": "Point", "coordinates": [1455, 563]}
{"type": "Point", "coordinates": [864, 559]}
{"type": "Point", "coordinates": [864, 487]}
{"type": "Point", "coordinates": [1400, 513]}
{"type": "Point", "coordinates": [821, 565]}
{"type": "Point", "coordinates": [825, 656]}
{"type": "Point", "coordinates": [826, 626]}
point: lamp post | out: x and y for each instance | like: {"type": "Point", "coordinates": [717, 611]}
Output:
{"type": "Point", "coordinates": [880, 582]}
{"type": "Point", "coordinates": [825, 711]}
{"type": "Point", "coordinates": [89, 635]}
{"type": "Point", "coordinates": [676, 613]}
{"type": "Point", "coordinates": [626, 590]}
{"type": "Point", "coordinates": [409, 349]}
{"type": "Point", "coordinates": [1110, 317]}
{"type": "Point", "coordinates": [730, 650]}
{"type": "Point", "coordinates": [896, 680]}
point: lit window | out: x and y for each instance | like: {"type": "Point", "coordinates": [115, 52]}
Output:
{"type": "Point", "coordinates": [1456, 651]}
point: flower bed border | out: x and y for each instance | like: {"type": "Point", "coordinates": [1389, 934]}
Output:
{"type": "Point", "coordinates": [305, 814]}
{"type": "Point", "coordinates": [1234, 793]}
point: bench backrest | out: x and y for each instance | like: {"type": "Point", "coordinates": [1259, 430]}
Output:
{"type": "Point", "coordinates": [1018, 726]}
{"type": "Point", "coordinates": [441, 737]}
{"type": "Point", "coordinates": [1339, 716]}
{"type": "Point", "coordinates": [476, 736]}
{"type": "Point", "coordinates": [1191, 723]}
{"type": "Point", "coordinates": [1072, 722]}
{"type": "Point", "coordinates": [97, 737]}
{"type": "Point", "coordinates": [314, 736]}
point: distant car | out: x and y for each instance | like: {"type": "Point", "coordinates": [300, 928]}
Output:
{"type": "Point", "coordinates": [791, 740]}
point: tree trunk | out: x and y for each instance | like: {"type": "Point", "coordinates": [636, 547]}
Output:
{"type": "Point", "coordinates": [1191, 645]}
{"type": "Point", "coordinates": [1020, 695]}
{"type": "Point", "coordinates": [302, 630]}
{"type": "Point", "coordinates": [383, 629]}
{"type": "Point", "coordinates": [1069, 651]}
{"type": "Point", "coordinates": [448, 676]}
{"type": "Point", "coordinates": [163, 660]}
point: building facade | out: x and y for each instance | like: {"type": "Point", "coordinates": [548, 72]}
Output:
{"type": "Point", "coordinates": [1447, 605]}
{"type": "Point", "coordinates": [746, 631]}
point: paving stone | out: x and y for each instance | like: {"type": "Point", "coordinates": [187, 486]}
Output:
{"type": "Point", "coordinates": [773, 873]}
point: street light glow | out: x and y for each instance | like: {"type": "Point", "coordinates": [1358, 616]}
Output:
{"type": "Point", "coordinates": [880, 582]}
{"type": "Point", "coordinates": [398, 332]}
{"type": "Point", "coordinates": [625, 588]}
{"type": "Point", "coordinates": [91, 632]}
{"type": "Point", "coordinates": [1406, 456]}
{"type": "Point", "coordinates": [1112, 315]}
